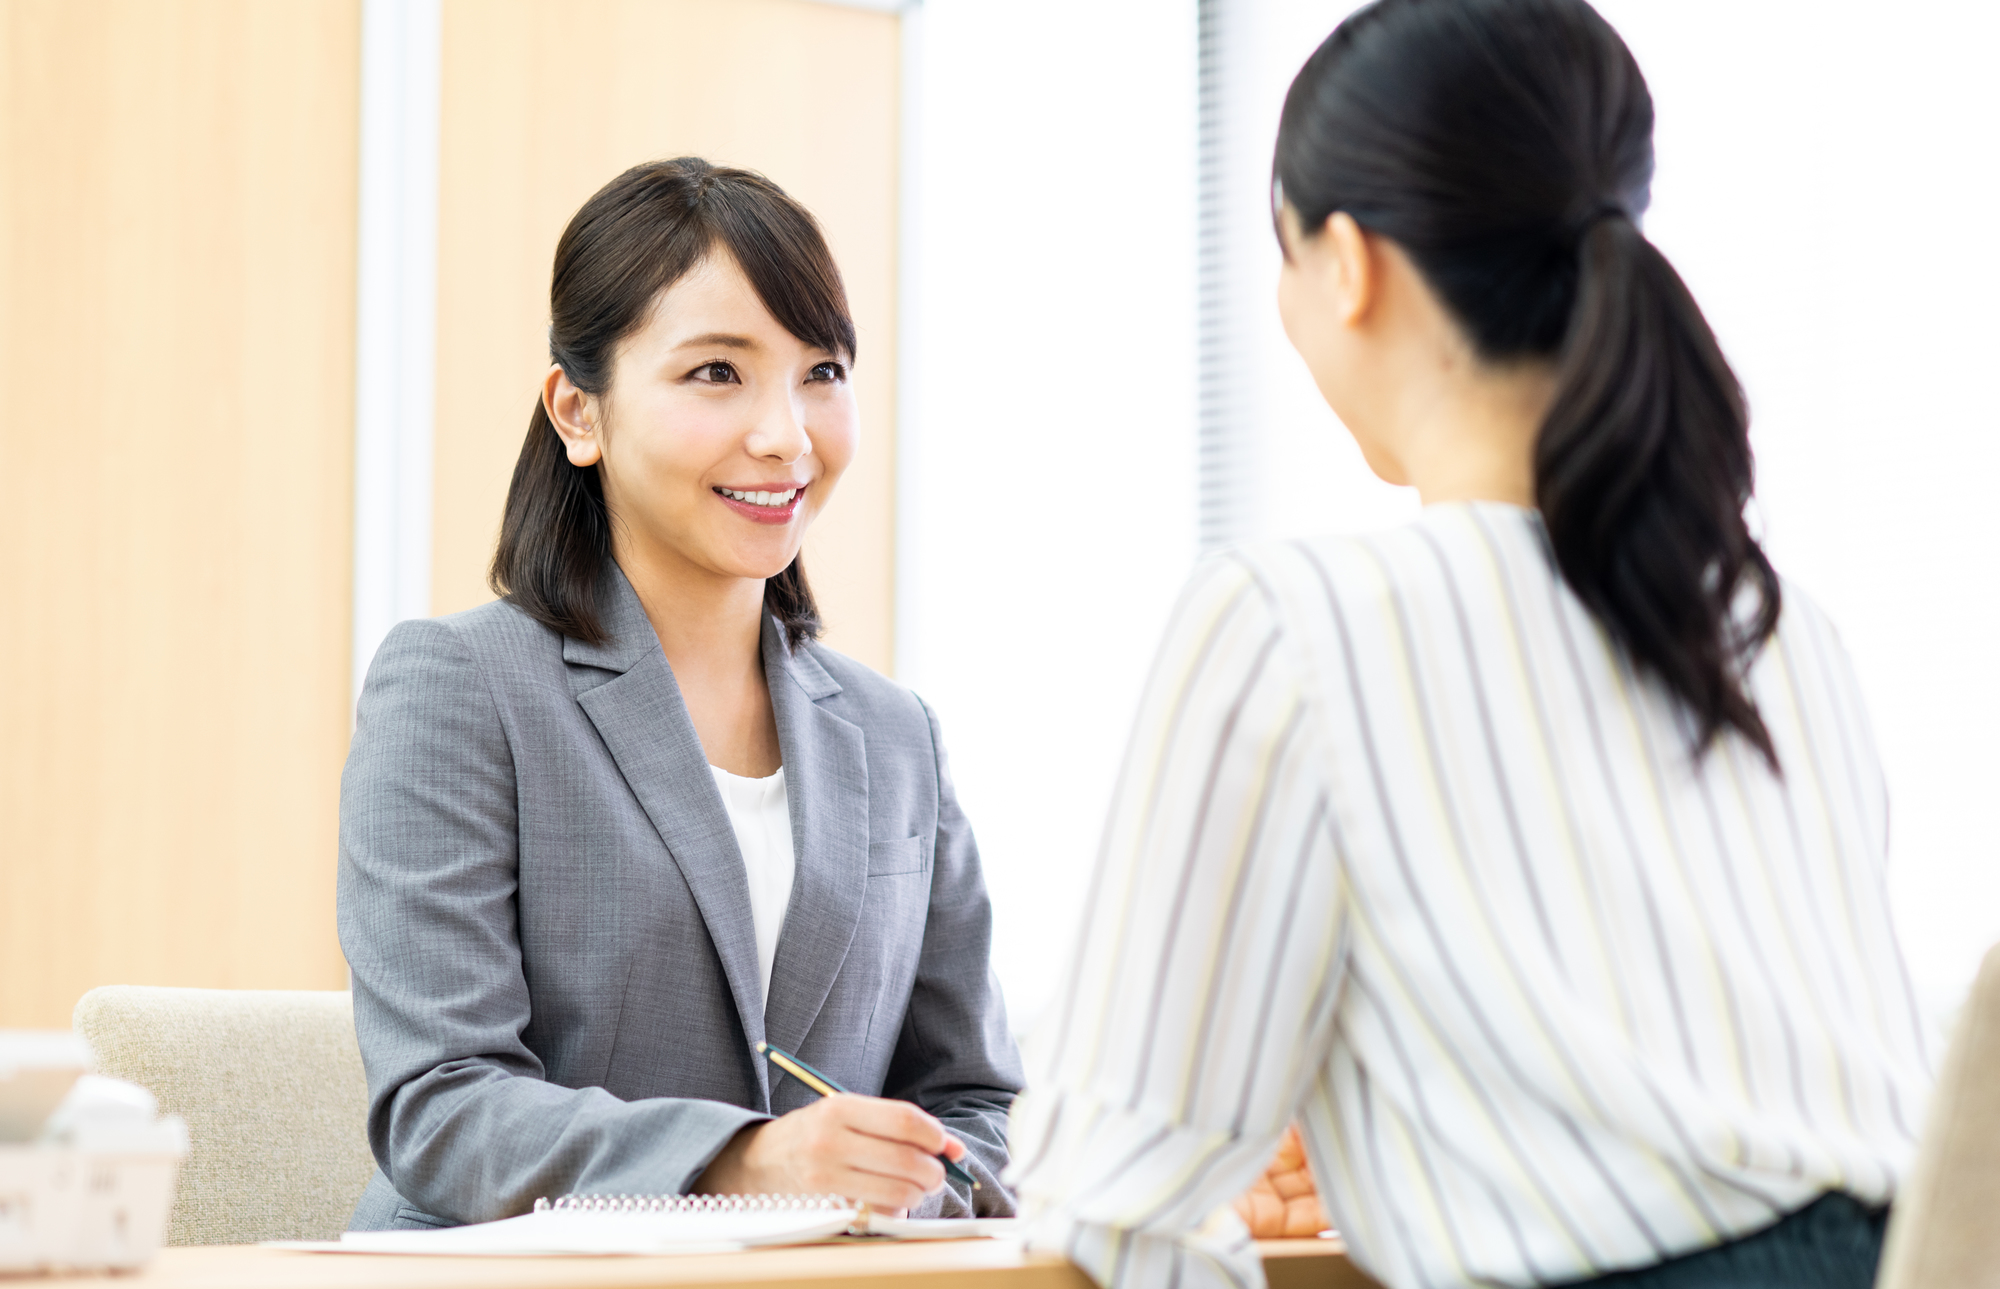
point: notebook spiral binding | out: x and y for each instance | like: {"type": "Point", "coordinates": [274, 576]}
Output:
{"type": "Point", "coordinates": [690, 1203]}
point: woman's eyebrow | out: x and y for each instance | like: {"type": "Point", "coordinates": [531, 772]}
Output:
{"type": "Point", "coordinates": [723, 338]}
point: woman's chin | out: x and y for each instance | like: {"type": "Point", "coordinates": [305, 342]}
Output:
{"type": "Point", "coordinates": [760, 566]}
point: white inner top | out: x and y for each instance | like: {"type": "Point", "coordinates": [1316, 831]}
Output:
{"type": "Point", "coordinates": [761, 813]}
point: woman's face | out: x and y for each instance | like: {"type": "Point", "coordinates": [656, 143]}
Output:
{"type": "Point", "coordinates": [722, 434]}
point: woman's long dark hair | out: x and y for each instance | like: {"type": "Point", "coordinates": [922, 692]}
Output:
{"type": "Point", "coordinates": [640, 234]}
{"type": "Point", "coordinates": [1507, 147]}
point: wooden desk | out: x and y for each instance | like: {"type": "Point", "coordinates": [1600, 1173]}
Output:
{"type": "Point", "coordinates": [979, 1264]}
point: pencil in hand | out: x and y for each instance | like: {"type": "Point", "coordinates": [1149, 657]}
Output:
{"type": "Point", "coordinates": [826, 1087]}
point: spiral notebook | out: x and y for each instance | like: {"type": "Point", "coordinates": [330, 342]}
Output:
{"type": "Point", "coordinates": [653, 1224]}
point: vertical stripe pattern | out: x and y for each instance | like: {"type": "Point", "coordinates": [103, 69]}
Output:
{"type": "Point", "coordinates": [1404, 849]}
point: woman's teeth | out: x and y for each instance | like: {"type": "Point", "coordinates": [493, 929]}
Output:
{"type": "Point", "coordinates": [761, 498]}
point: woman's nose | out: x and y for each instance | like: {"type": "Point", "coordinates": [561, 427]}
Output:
{"type": "Point", "coordinates": [780, 433]}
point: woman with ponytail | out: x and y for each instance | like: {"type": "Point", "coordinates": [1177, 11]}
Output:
{"type": "Point", "coordinates": [1530, 857]}
{"type": "Point", "coordinates": [605, 837]}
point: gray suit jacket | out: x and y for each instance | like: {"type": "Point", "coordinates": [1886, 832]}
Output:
{"type": "Point", "coordinates": [555, 974]}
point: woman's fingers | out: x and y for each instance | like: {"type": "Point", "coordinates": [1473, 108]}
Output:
{"type": "Point", "coordinates": [1260, 1211]}
{"type": "Point", "coordinates": [891, 1121]}
{"type": "Point", "coordinates": [1291, 1154]}
{"type": "Point", "coordinates": [1283, 1203]}
{"type": "Point", "coordinates": [896, 1161]}
{"type": "Point", "coordinates": [1273, 1217]}
{"type": "Point", "coordinates": [1304, 1217]}
{"type": "Point", "coordinates": [878, 1151]}
{"type": "Point", "coordinates": [884, 1194]}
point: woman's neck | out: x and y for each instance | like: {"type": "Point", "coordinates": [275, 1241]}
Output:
{"type": "Point", "coordinates": [696, 614]}
{"type": "Point", "coordinates": [1471, 435]}
{"type": "Point", "coordinates": [711, 630]}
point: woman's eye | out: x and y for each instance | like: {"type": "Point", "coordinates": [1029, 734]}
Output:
{"type": "Point", "coordinates": [828, 371]}
{"type": "Point", "coordinates": [714, 373]}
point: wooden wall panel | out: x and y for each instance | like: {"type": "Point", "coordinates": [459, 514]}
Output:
{"type": "Point", "coordinates": [545, 101]}
{"type": "Point", "coordinates": [177, 221]}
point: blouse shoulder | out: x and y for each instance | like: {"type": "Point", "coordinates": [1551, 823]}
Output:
{"type": "Point", "coordinates": [1811, 641]}
{"type": "Point", "coordinates": [1798, 610]}
{"type": "Point", "coordinates": [1308, 581]}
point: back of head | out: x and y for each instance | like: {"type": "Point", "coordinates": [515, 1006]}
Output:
{"type": "Point", "coordinates": [1506, 146]}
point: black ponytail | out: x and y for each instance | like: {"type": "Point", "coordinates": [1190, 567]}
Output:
{"type": "Point", "coordinates": [1642, 470]}
{"type": "Point", "coordinates": [1506, 146]}
{"type": "Point", "coordinates": [555, 536]}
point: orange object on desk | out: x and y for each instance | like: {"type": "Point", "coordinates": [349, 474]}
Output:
{"type": "Point", "coordinates": [976, 1264]}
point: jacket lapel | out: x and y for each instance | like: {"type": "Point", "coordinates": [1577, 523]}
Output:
{"type": "Point", "coordinates": [826, 779]}
{"type": "Point", "coordinates": [642, 720]}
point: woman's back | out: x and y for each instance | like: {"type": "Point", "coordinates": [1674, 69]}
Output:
{"type": "Point", "coordinates": [1632, 972]}
{"type": "Point", "coordinates": [1580, 1000]}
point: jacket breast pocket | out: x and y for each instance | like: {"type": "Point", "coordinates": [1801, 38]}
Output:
{"type": "Point", "coordinates": [889, 858]}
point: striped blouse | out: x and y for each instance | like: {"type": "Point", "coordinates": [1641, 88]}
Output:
{"type": "Point", "coordinates": [1403, 849]}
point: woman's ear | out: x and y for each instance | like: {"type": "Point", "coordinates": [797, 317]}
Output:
{"type": "Point", "coordinates": [1357, 278]}
{"type": "Point", "coordinates": [576, 416]}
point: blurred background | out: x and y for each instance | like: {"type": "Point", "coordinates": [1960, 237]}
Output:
{"type": "Point", "coordinates": [273, 281]}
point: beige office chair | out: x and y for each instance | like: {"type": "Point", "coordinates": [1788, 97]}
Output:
{"type": "Point", "coordinates": [276, 1104]}
{"type": "Point", "coordinates": [1944, 1231]}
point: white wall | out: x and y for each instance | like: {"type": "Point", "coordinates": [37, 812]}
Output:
{"type": "Point", "coordinates": [1285, 430]}
{"type": "Point", "coordinates": [1046, 469]}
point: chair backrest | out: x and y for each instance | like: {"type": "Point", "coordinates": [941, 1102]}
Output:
{"type": "Point", "coordinates": [1944, 1232]}
{"type": "Point", "coordinates": [271, 1085]}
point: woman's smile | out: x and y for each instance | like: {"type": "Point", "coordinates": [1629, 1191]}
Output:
{"type": "Point", "coordinates": [765, 505]}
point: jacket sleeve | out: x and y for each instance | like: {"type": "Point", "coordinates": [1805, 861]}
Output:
{"type": "Point", "coordinates": [955, 1056]}
{"type": "Point", "coordinates": [462, 1118]}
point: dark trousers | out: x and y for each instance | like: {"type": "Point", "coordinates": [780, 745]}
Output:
{"type": "Point", "coordinates": [1831, 1243]}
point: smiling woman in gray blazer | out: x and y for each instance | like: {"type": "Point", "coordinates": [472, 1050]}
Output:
{"type": "Point", "coordinates": [604, 836]}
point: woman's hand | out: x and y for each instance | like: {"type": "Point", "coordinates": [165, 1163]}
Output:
{"type": "Point", "coordinates": [1283, 1204]}
{"type": "Point", "coordinates": [880, 1152]}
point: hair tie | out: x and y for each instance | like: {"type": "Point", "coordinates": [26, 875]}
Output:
{"type": "Point", "coordinates": [1603, 211]}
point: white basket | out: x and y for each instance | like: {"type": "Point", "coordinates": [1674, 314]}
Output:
{"type": "Point", "coordinates": [98, 1206]}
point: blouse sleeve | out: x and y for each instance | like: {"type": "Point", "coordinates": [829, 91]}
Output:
{"type": "Point", "coordinates": [1204, 980]}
